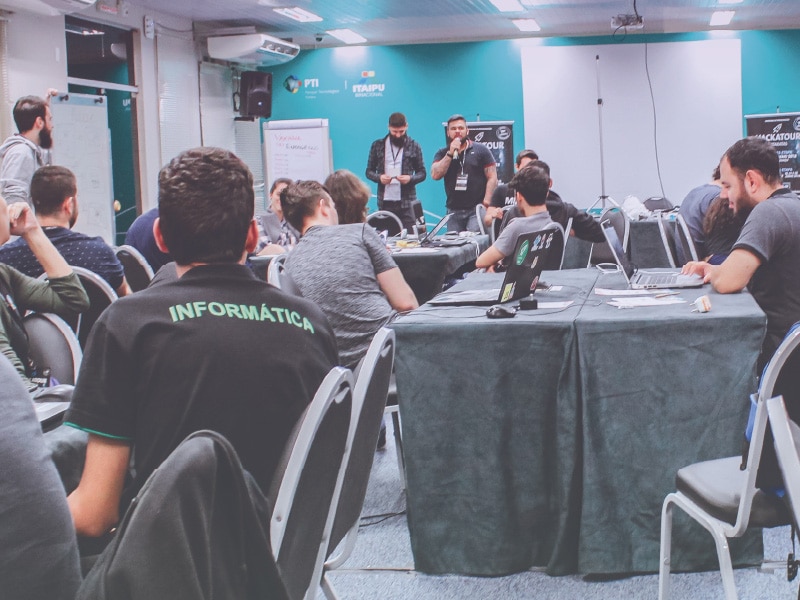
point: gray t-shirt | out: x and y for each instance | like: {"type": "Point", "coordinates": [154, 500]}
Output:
{"type": "Point", "coordinates": [336, 267]}
{"type": "Point", "coordinates": [507, 239]}
{"type": "Point", "coordinates": [772, 233]}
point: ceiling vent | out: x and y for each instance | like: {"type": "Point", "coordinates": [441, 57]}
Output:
{"type": "Point", "coordinates": [50, 8]}
{"type": "Point", "coordinates": [255, 49]}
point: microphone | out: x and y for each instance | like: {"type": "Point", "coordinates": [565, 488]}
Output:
{"type": "Point", "coordinates": [455, 152]}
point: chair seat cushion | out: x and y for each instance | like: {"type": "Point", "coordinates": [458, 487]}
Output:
{"type": "Point", "coordinates": [716, 486]}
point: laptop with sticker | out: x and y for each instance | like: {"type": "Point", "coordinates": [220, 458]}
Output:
{"type": "Point", "coordinates": [641, 280]}
{"type": "Point", "coordinates": [525, 268]}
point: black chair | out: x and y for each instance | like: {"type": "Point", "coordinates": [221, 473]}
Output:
{"type": "Point", "coordinates": [278, 276]}
{"type": "Point", "coordinates": [198, 528]}
{"type": "Point", "coordinates": [684, 244]}
{"type": "Point", "coordinates": [53, 346]}
{"type": "Point", "coordinates": [138, 271]}
{"type": "Point", "coordinates": [307, 484]}
{"type": "Point", "coordinates": [101, 295]}
{"type": "Point", "coordinates": [383, 220]}
{"type": "Point", "coordinates": [600, 252]}
{"type": "Point", "coordinates": [659, 203]}
{"type": "Point", "coordinates": [369, 401]}
{"type": "Point", "coordinates": [722, 496]}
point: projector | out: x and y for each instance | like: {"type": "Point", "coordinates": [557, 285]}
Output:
{"type": "Point", "coordinates": [629, 21]}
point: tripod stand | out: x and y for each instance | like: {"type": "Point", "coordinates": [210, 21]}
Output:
{"type": "Point", "coordinates": [603, 200]}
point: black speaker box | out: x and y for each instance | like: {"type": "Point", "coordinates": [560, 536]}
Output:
{"type": "Point", "coordinates": [255, 92]}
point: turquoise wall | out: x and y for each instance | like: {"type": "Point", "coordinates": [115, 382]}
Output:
{"type": "Point", "coordinates": [480, 80]}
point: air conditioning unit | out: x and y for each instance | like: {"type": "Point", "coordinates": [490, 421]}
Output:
{"type": "Point", "coordinates": [49, 8]}
{"type": "Point", "coordinates": [256, 49]}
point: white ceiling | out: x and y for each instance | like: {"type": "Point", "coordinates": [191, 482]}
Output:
{"type": "Point", "coordinates": [388, 22]}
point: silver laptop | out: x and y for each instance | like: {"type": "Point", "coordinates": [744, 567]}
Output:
{"type": "Point", "coordinates": [640, 280]}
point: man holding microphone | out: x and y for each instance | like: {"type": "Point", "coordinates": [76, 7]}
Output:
{"type": "Point", "coordinates": [469, 173]}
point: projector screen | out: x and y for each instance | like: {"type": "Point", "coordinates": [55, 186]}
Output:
{"type": "Point", "coordinates": [697, 93]}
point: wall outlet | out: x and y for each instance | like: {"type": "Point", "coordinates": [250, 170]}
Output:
{"type": "Point", "coordinates": [149, 27]}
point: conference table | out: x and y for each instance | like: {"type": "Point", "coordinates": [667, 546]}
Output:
{"type": "Point", "coordinates": [425, 269]}
{"type": "Point", "coordinates": [551, 439]}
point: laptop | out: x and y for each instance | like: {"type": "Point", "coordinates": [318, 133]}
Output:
{"type": "Point", "coordinates": [429, 240]}
{"type": "Point", "coordinates": [639, 280]}
{"type": "Point", "coordinates": [522, 275]}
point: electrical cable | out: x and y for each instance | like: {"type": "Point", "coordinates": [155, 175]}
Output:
{"type": "Point", "coordinates": [655, 118]}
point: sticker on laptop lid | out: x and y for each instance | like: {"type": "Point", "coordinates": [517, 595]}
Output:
{"type": "Point", "coordinates": [523, 252]}
{"type": "Point", "coordinates": [508, 292]}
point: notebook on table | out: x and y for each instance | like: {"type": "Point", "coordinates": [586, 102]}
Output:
{"type": "Point", "coordinates": [640, 280]}
{"type": "Point", "coordinates": [521, 277]}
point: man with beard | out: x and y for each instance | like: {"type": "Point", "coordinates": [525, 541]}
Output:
{"type": "Point", "coordinates": [395, 163]}
{"type": "Point", "coordinates": [766, 256]}
{"type": "Point", "coordinates": [469, 172]}
{"type": "Point", "coordinates": [55, 200]}
{"type": "Point", "coordinates": [23, 153]}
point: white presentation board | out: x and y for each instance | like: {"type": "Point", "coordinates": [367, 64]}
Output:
{"type": "Point", "coordinates": [697, 93]}
{"type": "Point", "coordinates": [298, 149]}
{"type": "Point", "coordinates": [82, 143]}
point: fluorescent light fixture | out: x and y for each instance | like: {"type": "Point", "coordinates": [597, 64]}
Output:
{"type": "Point", "coordinates": [298, 14]}
{"type": "Point", "coordinates": [348, 36]}
{"type": "Point", "coordinates": [526, 24]}
{"type": "Point", "coordinates": [537, 2]}
{"type": "Point", "coordinates": [730, 1]}
{"type": "Point", "coordinates": [721, 17]}
{"type": "Point", "coordinates": [507, 5]}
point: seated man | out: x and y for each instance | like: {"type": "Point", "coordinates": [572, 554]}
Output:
{"type": "Point", "coordinates": [531, 185]}
{"type": "Point", "coordinates": [766, 257]}
{"type": "Point", "coordinates": [345, 269]}
{"type": "Point", "coordinates": [55, 199]}
{"type": "Point", "coordinates": [140, 236]}
{"type": "Point", "coordinates": [215, 349]}
{"type": "Point", "coordinates": [584, 226]}
{"type": "Point", "coordinates": [38, 556]}
{"type": "Point", "coordinates": [62, 293]}
{"type": "Point", "coordinates": [275, 235]}
{"type": "Point", "coordinates": [694, 208]}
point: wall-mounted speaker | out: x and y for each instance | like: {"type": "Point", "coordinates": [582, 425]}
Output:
{"type": "Point", "coordinates": [255, 92]}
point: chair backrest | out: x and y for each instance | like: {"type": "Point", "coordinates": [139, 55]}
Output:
{"type": "Point", "coordinates": [101, 295]}
{"type": "Point", "coordinates": [480, 213]}
{"type": "Point", "coordinates": [307, 483]}
{"type": "Point", "coordinates": [138, 271]}
{"type": "Point", "coordinates": [760, 447]}
{"type": "Point", "coordinates": [658, 203]}
{"type": "Point", "coordinates": [383, 220]}
{"type": "Point", "coordinates": [53, 345]}
{"type": "Point", "coordinates": [601, 253]}
{"type": "Point", "coordinates": [278, 276]}
{"type": "Point", "coordinates": [684, 244]}
{"type": "Point", "coordinates": [369, 401]}
{"type": "Point", "coordinates": [786, 434]}
{"type": "Point", "coordinates": [665, 229]}
{"type": "Point", "coordinates": [781, 376]}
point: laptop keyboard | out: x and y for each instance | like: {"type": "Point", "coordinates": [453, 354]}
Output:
{"type": "Point", "coordinates": [657, 279]}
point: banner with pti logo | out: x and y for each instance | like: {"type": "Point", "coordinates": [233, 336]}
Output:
{"type": "Point", "coordinates": [782, 130]}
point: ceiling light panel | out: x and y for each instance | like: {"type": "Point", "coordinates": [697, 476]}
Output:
{"type": "Point", "coordinates": [526, 24]}
{"type": "Point", "coordinates": [508, 5]}
{"type": "Point", "coordinates": [721, 18]}
{"type": "Point", "coordinates": [348, 36]}
{"type": "Point", "coordinates": [298, 14]}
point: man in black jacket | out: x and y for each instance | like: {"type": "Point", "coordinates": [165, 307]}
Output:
{"type": "Point", "coordinates": [395, 163]}
{"type": "Point", "coordinates": [583, 224]}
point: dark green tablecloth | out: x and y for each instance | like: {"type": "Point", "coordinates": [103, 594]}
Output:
{"type": "Point", "coordinates": [533, 441]}
{"type": "Point", "coordinates": [425, 272]}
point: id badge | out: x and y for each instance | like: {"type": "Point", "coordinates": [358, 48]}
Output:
{"type": "Point", "coordinates": [461, 182]}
